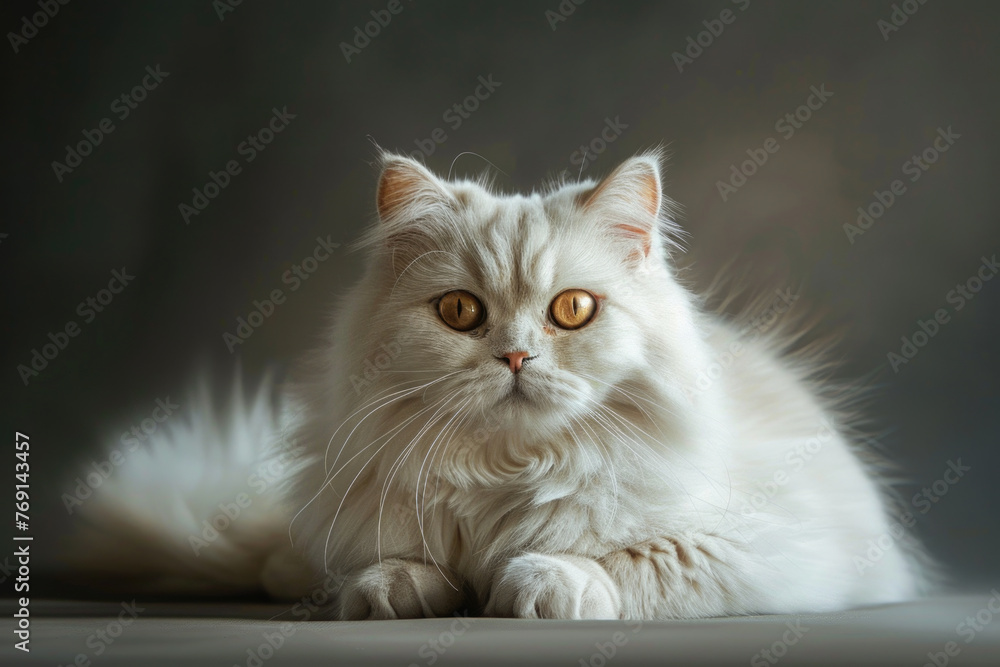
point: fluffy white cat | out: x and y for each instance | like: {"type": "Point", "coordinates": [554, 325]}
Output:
{"type": "Point", "coordinates": [520, 409]}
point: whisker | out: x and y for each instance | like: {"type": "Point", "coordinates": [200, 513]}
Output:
{"type": "Point", "coordinates": [330, 477]}
{"type": "Point", "coordinates": [340, 506]}
{"type": "Point", "coordinates": [444, 451]}
{"type": "Point", "coordinates": [404, 393]}
{"type": "Point", "coordinates": [416, 490]}
{"type": "Point", "coordinates": [397, 464]}
{"type": "Point", "coordinates": [414, 261]}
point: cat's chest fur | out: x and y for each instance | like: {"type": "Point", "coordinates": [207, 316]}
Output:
{"type": "Point", "coordinates": [612, 500]}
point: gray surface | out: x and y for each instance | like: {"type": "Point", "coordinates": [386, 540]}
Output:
{"type": "Point", "coordinates": [172, 635]}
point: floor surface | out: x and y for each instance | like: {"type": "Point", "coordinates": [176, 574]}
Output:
{"type": "Point", "coordinates": [959, 630]}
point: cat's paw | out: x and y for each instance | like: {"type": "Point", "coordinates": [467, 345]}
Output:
{"type": "Point", "coordinates": [553, 586]}
{"type": "Point", "coordinates": [399, 588]}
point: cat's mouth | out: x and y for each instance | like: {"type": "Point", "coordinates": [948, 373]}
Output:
{"type": "Point", "coordinates": [532, 391]}
{"type": "Point", "coordinates": [520, 393]}
{"type": "Point", "coordinates": [515, 391]}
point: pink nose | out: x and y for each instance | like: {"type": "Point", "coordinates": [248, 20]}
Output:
{"type": "Point", "coordinates": [514, 359]}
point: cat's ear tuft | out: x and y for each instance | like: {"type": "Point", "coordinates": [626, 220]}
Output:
{"type": "Point", "coordinates": [629, 199]}
{"type": "Point", "coordinates": [408, 191]}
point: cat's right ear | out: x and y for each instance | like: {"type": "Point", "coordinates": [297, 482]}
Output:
{"type": "Point", "coordinates": [408, 192]}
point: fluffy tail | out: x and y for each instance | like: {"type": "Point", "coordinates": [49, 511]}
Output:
{"type": "Point", "coordinates": [199, 509]}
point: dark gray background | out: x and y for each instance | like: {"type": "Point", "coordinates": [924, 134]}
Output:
{"type": "Point", "coordinates": [607, 60]}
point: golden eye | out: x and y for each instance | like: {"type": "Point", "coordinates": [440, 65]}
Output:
{"type": "Point", "coordinates": [573, 308]}
{"type": "Point", "coordinates": [461, 311]}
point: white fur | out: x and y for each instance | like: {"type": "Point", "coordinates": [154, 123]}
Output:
{"type": "Point", "coordinates": [617, 484]}
{"type": "Point", "coordinates": [144, 527]}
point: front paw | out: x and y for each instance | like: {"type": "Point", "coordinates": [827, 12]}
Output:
{"type": "Point", "coordinates": [553, 586]}
{"type": "Point", "coordinates": [399, 588]}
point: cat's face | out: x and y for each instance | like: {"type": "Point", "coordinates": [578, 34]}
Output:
{"type": "Point", "coordinates": [524, 310]}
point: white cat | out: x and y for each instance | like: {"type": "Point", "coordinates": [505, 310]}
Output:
{"type": "Point", "coordinates": [521, 409]}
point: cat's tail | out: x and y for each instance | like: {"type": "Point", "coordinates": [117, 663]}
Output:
{"type": "Point", "coordinates": [198, 508]}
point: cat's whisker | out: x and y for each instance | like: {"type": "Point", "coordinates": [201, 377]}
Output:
{"type": "Point", "coordinates": [401, 458]}
{"type": "Point", "coordinates": [401, 394]}
{"type": "Point", "coordinates": [625, 393]}
{"type": "Point", "coordinates": [634, 394]}
{"type": "Point", "coordinates": [605, 415]}
{"type": "Point", "coordinates": [416, 490]}
{"type": "Point", "coordinates": [691, 497]}
{"type": "Point", "coordinates": [444, 453]}
{"type": "Point", "coordinates": [478, 156]}
{"type": "Point", "coordinates": [416, 500]}
{"type": "Point", "coordinates": [672, 451]}
{"type": "Point", "coordinates": [624, 440]}
{"type": "Point", "coordinates": [427, 370]}
{"type": "Point", "coordinates": [414, 261]}
{"type": "Point", "coordinates": [606, 461]}
{"type": "Point", "coordinates": [600, 413]}
{"type": "Point", "coordinates": [394, 432]}
{"type": "Point", "coordinates": [385, 395]}
{"type": "Point", "coordinates": [330, 476]}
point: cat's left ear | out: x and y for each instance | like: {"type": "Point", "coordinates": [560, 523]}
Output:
{"type": "Point", "coordinates": [407, 191]}
{"type": "Point", "coordinates": [628, 202]}
{"type": "Point", "coordinates": [411, 202]}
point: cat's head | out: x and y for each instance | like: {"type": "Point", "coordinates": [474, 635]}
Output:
{"type": "Point", "coordinates": [526, 313]}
